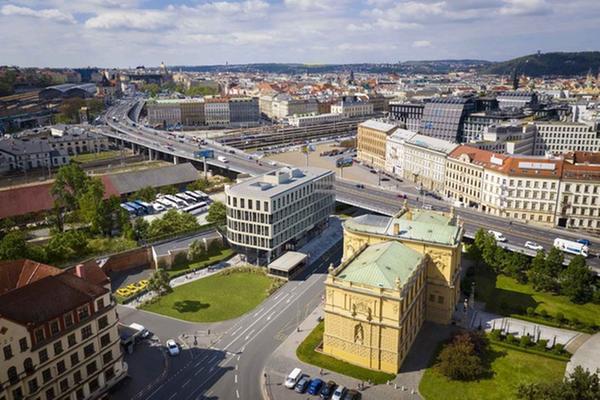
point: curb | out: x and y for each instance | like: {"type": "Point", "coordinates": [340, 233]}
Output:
{"type": "Point", "coordinates": [263, 386]}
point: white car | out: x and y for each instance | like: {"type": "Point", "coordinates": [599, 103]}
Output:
{"type": "Point", "coordinates": [339, 392]}
{"type": "Point", "coordinates": [172, 347]}
{"type": "Point", "coordinates": [498, 236]}
{"type": "Point", "coordinates": [533, 246]}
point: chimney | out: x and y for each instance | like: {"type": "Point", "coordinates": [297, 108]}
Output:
{"type": "Point", "coordinates": [79, 271]}
{"type": "Point", "coordinates": [396, 229]}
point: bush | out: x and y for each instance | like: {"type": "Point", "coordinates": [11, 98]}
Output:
{"type": "Point", "coordinates": [530, 311]}
{"type": "Point", "coordinates": [511, 339]}
{"type": "Point", "coordinates": [544, 314]}
{"type": "Point", "coordinates": [496, 334]}
{"type": "Point", "coordinates": [180, 260]}
{"type": "Point", "coordinates": [559, 348]}
{"type": "Point", "coordinates": [560, 317]}
{"type": "Point", "coordinates": [525, 341]}
{"type": "Point", "coordinates": [542, 344]}
{"type": "Point", "coordinates": [461, 359]}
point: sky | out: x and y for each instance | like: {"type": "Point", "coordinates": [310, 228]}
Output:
{"type": "Point", "coordinates": [128, 33]}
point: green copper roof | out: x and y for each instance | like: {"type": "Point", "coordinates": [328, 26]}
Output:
{"type": "Point", "coordinates": [425, 226]}
{"type": "Point", "coordinates": [379, 265]}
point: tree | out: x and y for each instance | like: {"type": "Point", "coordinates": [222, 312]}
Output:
{"type": "Point", "coordinates": [66, 246]}
{"type": "Point", "coordinates": [195, 251]}
{"type": "Point", "coordinates": [140, 229]}
{"type": "Point", "coordinates": [69, 184]}
{"type": "Point", "coordinates": [89, 202]}
{"type": "Point", "coordinates": [69, 109]}
{"type": "Point", "coordinates": [159, 282]}
{"type": "Point", "coordinates": [538, 275]}
{"type": "Point", "coordinates": [576, 281]}
{"type": "Point", "coordinates": [579, 385]}
{"type": "Point", "coordinates": [554, 262]}
{"type": "Point", "coordinates": [515, 265]}
{"type": "Point", "coordinates": [147, 194]}
{"type": "Point", "coordinates": [151, 88]}
{"type": "Point", "coordinates": [169, 190]}
{"type": "Point", "coordinates": [172, 223]}
{"type": "Point", "coordinates": [217, 213]}
{"type": "Point", "coordinates": [461, 359]}
{"type": "Point", "coordinates": [13, 246]}
{"type": "Point", "coordinates": [201, 185]}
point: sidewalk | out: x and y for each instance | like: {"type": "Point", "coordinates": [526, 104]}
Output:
{"type": "Point", "coordinates": [322, 243]}
{"type": "Point", "coordinates": [404, 387]}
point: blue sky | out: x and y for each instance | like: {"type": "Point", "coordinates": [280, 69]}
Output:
{"type": "Point", "coordinates": [122, 33]}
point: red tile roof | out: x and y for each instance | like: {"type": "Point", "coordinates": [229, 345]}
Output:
{"type": "Point", "coordinates": [18, 273]}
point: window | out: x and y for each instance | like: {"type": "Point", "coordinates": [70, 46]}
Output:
{"type": "Point", "coordinates": [68, 320]}
{"type": "Point", "coordinates": [39, 335]}
{"type": "Point", "coordinates": [33, 385]}
{"type": "Point", "coordinates": [83, 313]}
{"type": "Point", "coordinates": [43, 355]}
{"type": "Point", "coordinates": [28, 365]}
{"type": "Point", "coordinates": [7, 352]}
{"type": "Point", "coordinates": [79, 394]}
{"type": "Point", "coordinates": [58, 348]}
{"type": "Point", "coordinates": [432, 297]}
{"type": "Point", "coordinates": [18, 394]}
{"type": "Point", "coordinates": [13, 377]}
{"type": "Point", "coordinates": [107, 357]}
{"type": "Point", "coordinates": [54, 328]}
{"type": "Point", "coordinates": [105, 340]}
{"type": "Point", "coordinates": [103, 322]}
{"type": "Point", "coordinates": [46, 375]}
{"type": "Point", "coordinates": [50, 394]}
{"type": "Point", "coordinates": [100, 304]}
{"type": "Point", "coordinates": [88, 350]}
{"type": "Point", "coordinates": [64, 385]}
{"type": "Point", "coordinates": [86, 332]}
{"type": "Point", "coordinates": [61, 367]}
{"type": "Point", "coordinates": [91, 368]}
{"type": "Point", "coordinates": [74, 359]}
{"type": "Point", "coordinates": [77, 376]}
{"type": "Point", "coordinates": [72, 340]}
{"type": "Point", "coordinates": [440, 299]}
{"type": "Point", "coordinates": [23, 344]}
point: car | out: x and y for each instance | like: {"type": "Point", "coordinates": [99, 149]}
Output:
{"type": "Point", "coordinates": [231, 151]}
{"type": "Point", "coordinates": [314, 386]}
{"type": "Point", "coordinates": [373, 171]}
{"type": "Point", "coordinates": [427, 207]}
{"type": "Point", "coordinates": [402, 196]}
{"type": "Point", "coordinates": [172, 347]}
{"type": "Point", "coordinates": [385, 179]}
{"type": "Point", "coordinates": [352, 395]}
{"type": "Point", "coordinates": [293, 378]}
{"type": "Point", "coordinates": [327, 390]}
{"type": "Point", "coordinates": [360, 186]}
{"type": "Point", "coordinates": [338, 393]}
{"type": "Point", "coordinates": [584, 242]}
{"type": "Point", "coordinates": [302, 384]}
{"type": "Point", "coordinates": [533, 246]}
{"type": "Point", "coordinates": [497, 235]}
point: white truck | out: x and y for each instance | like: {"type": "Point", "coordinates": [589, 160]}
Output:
{"type": "Point", "coordinates": [571, 247]}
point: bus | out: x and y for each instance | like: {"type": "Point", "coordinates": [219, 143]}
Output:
{"type": "Point", "coordinates": [186, 198]}
{"type": "Point", "coordinates": [127, 208]}
{"type": "Point", "coordinates": [203, 196]}
{"type": "Point", "coordinates": [571, 247]}
{"type": "Point", "coordinates": [166, 203]}
{"type": "Point", "coordinates": [145, 206]}
{"type": "Point", "coordinates": [138, 209]}
{"type": "Point", "coordinates": [196, 209]}
{"type": "Point", "coordinates": [193, 195]}
{"type": "Point", "coordinates": [180, 202]}
{"type": "Point", "coordinates": [343, 162]}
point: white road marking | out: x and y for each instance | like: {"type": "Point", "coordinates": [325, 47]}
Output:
{"type": "Point", "coordinates": [248, 335]}
{"type": "Point", "coordinates": [235, 378]}
{"type": "Point", "coordinates": [186, 383]}
{"type": "Point", "coordinates": [173, 395]}
{"type": "Point", "coordinates": [237, 393]}
{"type": "Point", "coordinates": [258, 312]}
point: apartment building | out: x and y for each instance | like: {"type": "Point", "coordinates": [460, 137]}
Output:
{"type": "Point", "coordinates": [352, 108]}
{"type": "Point", "coordinates": [559, 137]}
{"type": "Point", "coordinates": [216, 111]}
{"type": "Point", "coordinates": [243, 110]}
{"type": "Point", "coordinates": [425, 161]}
{"type": "Point", "coordinates": [371, 141]}
{"type": "Point", "coordinates": [77, 141]}
{"type": "Point", "coordinates": [24, 155]}
{"type": "Point", "coordinates": [464, 174]}
{"type": "Point", "coordinates": [394, 151]}
{"type": "Point", "coordinates": [192, 112]}
{"type": "Point", "coordinates": [283, 105]}
{"type": "Point", "coordinates": [579, 194]}
{"type": "Point", "coordinates": [164, 112]}
{"type": "Point", "coordinates": [274, 212]}
{"type": "Point", "coordinates": [67, 349]}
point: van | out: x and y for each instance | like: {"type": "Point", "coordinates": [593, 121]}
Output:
{"type": "Point", "coordinates": [293, 378]}
{"type": "Point", "coordinates": [223, 159]}
{"type": "Point", "coordinates": [142, 331]}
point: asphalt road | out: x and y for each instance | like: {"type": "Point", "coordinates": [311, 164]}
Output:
{"type": "Point", "coordinates": [232, 367]}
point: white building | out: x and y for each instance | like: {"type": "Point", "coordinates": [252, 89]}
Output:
{"type": "Point", "coordinates": [283, 105]}
{"type": "Point", "coordinates": [352, 108]}
{"type": "Point", "coordinates": [274, 212]}
{"type": "Point", "coordinates": [564, 137]}
{"type": "Point", "coordinates": [301, 120]}
{"type": "Point", "coordinates": [507, 139]}
{"type": "Point", "coordinates": [425, 161]}
{"type": "Point", "coordinates": [394, 151]}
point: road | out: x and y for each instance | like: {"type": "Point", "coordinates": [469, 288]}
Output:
{"type": "Point", "coordinates": [232, 367]}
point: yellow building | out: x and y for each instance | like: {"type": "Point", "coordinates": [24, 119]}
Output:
{"type": "Point", "coordinates": [396, 272]}
{"type": "Point", "coordinates": [371, 139]}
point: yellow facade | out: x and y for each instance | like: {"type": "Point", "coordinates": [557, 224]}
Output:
{"type": "Point", "coordinates": [374, 327]}
{"type": "Point", "coordinates": [371, 143]}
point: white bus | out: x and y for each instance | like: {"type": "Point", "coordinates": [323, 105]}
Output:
{"type": "Point", "coordinates": [186, 198]}
{"type": "Point", "coordinates": [166, 203]}
{"type": "Point", "coordinates": [196, 209]}
{"type": "Point", "coordinates": [571, 247]}
{"type": "Point", "coordinates": [180, 202]}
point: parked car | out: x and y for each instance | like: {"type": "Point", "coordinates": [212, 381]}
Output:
{"type": "Point", "coordinates": [360, 186]}
{"type": "Point", "coordinates": [314, 386]}
{"type": "Point", "coordinates": [352, 395]}
{"type": "Point", "coordinates": [427, 207]}
{"type": "Point", "coordinates": [402, 196]}
{"type": "Point", "coordinates": [373, 171]}
{"type": "Point", "coordinates": [293, 378]}
{"type": "Point", "coordinates": [533, 246]}
{"type": "Point", "coordinates": [497, 235]}
{"type": "Point", "coordinates": [172, 347]}
{"type": "Point", "coordinates": [327, 390]}
{"type": "Point", "coordinates": [302, 384]}
{"type": "Point", "coordinates": [338, 393]}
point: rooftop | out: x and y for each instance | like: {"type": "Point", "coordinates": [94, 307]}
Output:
{"type": "Point", "coordinates": [430, 143]}
{"type": "Point", "coordinates": [381, 265]}
{"type": "Point", "coordinates": [379, 125]}
{"type": "Point", "coordinates": [287, 261]}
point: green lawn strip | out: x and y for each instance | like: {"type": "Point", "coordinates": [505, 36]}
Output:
{"type": "Point", "coordinates": [306, 353]}
{"type": "Point", "coordinates": [510, 367]}
{"type": "Point", "coordinates": [215, 298]}
{"type": "Point", "coordinates": [531, 350]}
{"type": "Point", "coordinates": [222, 255]}
{"type": "Point", "coordinates": [504, 295]}
{"type": "Point", "coordinates": [103, 155]}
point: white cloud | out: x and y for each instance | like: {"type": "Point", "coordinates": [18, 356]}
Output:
{"type": "Point", "coordinates": [48, 14]}
{"type": "Point", "coordinates": [421, 43]}
{"type": "Point", "coordinates": [525, 7]}
{"type": "Point", "coordinates": [132, 19]}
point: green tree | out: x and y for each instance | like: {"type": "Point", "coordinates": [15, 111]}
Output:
{"type": "Point", "coordinates": [147, 194]}
{"type": "Point", "coordinates": [169, 190]}
{"type": "Point", "coordinates": [217, 213]}
{"type": "Point", "coordinates": [159, 282]}
{"type": "Point", "coordinates": [201, 185]}
{"type": "Point", "coordinates": [516, 265]}
{"type": "Point", "coordinates": [69, 184]}
{"type": "Point", "coordinates": [195, 251]}
{"type": "Point", "coordinates": [152, 89]}
{"type": "Point", "coordinates": [69, 109]}
{"type": "Point", "coordinates": [201, 91]}
{"type": "Point", "coordinates": [66, 246]}
{"type": "Point", "coordinates": [140, 229]}
{"type": "Point", "coordinates": [13, 246]}
{"type": "Point", "coordinates": [90, 201]}
{"type": "Point", "coordinates": [554, 262]}
{"type": "Point", "coordinates": [172, 223]}
{"type": "Point", "coordinates": [577, 281]}
{"type": "Point", "coordinates": [579, 385]}
{"type": "Point", "coordinates": [461, 359]}
{"type": "Point", "coordinates": [538, 275]}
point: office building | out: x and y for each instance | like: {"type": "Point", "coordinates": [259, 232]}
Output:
{"type": "Point", "coordinates": [274, 212]}
{"type": "Point", "coordinates": [425, 161]}
{"type": "Point", "coordinates": [395, 273]}
{"type": "Point", "coordinates": [516, 100]}
{"type": "Point", "coordinates": [507, 139]}
{"type": "Point", "coordinates": [408, 113]}
{"type": "Point", "coordinates": [443, 117]}
{"type": "Point", "coordinates": [164, 112]}
{"type": "Point", "coordinates": [352, 107]}
{"type": "Point", "coordinates": [394, 151]}
{"type": "Point", "coordinates": [475, 123]}
{"type": "Point", "coordinates": [192, 112]}
{"type": "Point", "coordinates": [216, 111]}
{"type": "Point", "coordinates": [557, 137]}
{"type": "Point", "coordinates": [243, 110]}
{"type": "Point", "coordinates": [283, 105]}
{"type": "Point", "coordinates": [67, 349]}
{"type": "Point", "coordinates": [371, 140]}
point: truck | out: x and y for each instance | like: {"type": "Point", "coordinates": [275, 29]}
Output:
{"type": "Point", "coordinates": [571, 247]}
{"type": "Point", "coordinates": [343, 162]}
{"type": "Point", "coordinates": [205, 153]}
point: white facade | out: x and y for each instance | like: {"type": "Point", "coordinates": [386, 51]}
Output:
{"type": "Point", "coordinates": [313, 119]}
{"type": "Point", "coordinates": [564, 137]}
{"type": "Point", "coordinates": [272, 213]}
{"type": "Point", "coordinates": [352, 108]}
{"type": "Point", "coordinates": [425, 161]}
{"type": "Point", "coordinates": [394, 151]}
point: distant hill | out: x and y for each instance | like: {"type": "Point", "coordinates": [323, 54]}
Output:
{"type": "Point", "coordinates": [566, 64]}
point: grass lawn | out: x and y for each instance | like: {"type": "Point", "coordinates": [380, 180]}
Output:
{"type": "Point", "coordinates": [510, 368]}
{"type": "Point", "coordinates": [216, 298]}
{"type": "Point", "coordinates": [306, 353]}
{"type": "Point", "coordinates": [504, 295]}
{"type": "Point", "coordinates": [103, 155]}
{"type": "Point", "coordinates": [223, 254]}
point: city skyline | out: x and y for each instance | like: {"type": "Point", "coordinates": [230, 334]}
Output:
{"type": "Point", "coordinates": [57, 33]}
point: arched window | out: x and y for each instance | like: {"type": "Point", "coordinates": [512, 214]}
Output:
{"type": "Point", "coordinates": [28, 365]}
{"type": "Point", "coordinates": [13, 377]}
